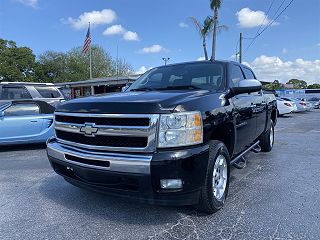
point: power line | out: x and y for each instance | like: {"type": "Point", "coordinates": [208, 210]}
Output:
{"type": "Point", "coordinates": [274, 18]}
{"type": "Point", "coordinates": [255, 36]}
{"type": "Point", "coordinates": [266, 16]}
{"type": "Point", "coordinates": [258, 34]}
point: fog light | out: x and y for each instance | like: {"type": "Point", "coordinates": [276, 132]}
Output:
{"type": "Point", "coordinates": [171, 183]}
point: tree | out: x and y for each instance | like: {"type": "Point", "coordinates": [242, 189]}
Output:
{"type": "Point", "coordinates": [298, 84]}
{"type": "Point", "coordinates": [52, 67]}
{"type": "Point", "coordinates": [276, 85]}
{"type": "Point", "coordinates": [123, 68]}
{"type": "Point", "coordinates": [314, 86]}
{"type": "Point", "coordinates": [204, 29]}
{"type": "Point", "coordinates": [74, 65]}
{"type": "Point", "coordinates": [215, 6]}
{"type": "Point", "coordinates": [16, 63]}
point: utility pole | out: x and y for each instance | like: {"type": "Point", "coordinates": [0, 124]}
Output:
{"type": "Point", "coordinates": [240, 50]}
{"type": "Point", "coordinates": [165, 60]}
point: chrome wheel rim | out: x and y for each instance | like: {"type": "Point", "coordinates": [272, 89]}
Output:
{"type": "Point", "coordinates": [220, 177]}
{"type": "Point", "coordinates": [271, 136]}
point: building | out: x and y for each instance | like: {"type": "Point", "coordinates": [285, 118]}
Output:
{"type": "Point", "coordinates": [299, 93]}
{"type": "Point", "coordinates": [94, 86]}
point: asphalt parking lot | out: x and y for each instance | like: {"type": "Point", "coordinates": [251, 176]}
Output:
{"type": "Point", "coordinates": [277, 196]}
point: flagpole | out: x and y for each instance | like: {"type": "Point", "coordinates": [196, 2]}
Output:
{"type": "Point", "coordinates": [117, 65]}
{"type": "Point", "coordinates": [90, 60]}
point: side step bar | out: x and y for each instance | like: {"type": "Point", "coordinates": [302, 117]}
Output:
{"type": "Point", "coordinates": [239, 161]}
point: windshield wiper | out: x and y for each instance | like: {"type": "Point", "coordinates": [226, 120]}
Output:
{"type": "Point", "coordinates": [179, 87]}
{"type": "Point", "coordinates": [141, 89]}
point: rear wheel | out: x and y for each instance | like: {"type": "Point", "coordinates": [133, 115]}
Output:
{"type": "Point", "coordinates": [215, 189]}
{"type": "Point", "coordinates": [267, 139]}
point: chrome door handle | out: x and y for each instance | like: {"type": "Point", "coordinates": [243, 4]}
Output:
{"type": "Point", "coordinates": [33, 121]}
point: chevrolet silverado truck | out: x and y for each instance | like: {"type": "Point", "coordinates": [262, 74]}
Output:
{"type": "Point", "coordinates": [169, 138]}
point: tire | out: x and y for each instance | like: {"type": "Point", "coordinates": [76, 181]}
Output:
{"type": "Point", "coordinates": [267, 139]}
{"type": "Point", "coordinates": [210, 200]}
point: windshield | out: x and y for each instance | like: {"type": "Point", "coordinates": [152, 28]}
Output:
{"type": "Point", "coordinates": [208, 76]}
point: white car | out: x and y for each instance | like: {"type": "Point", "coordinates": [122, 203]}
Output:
{"type": "Point", "coordinates": [285, 107]}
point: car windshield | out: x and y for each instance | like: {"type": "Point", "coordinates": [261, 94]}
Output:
{"type": "Point", "coordinates": [209, 76]}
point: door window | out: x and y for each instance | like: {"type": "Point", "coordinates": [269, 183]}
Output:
{"type": "Point", "coordinates": [249, 74]}
{"type": "Point", "coordinates": [22, 110]}
{"type": "Point", "coordinates": [13, 93]}
{"type": "Point", "coordinates": [48, 92]}
{"type": "Point", "coordinates": [236, 75]}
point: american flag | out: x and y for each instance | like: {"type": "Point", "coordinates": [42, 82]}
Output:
{"type": "Point", "coordinates": [87, 42]}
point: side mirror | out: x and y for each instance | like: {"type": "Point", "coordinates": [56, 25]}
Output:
{"type": "Point", "coordinates": [123, 89]}
{"type": "Point", "coordinates": [245, 86]}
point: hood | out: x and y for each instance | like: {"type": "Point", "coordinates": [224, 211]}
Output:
{"type": "Point", "coordinates": [133, 102]}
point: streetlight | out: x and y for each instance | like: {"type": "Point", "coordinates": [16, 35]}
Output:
{"type": "Point", "coordinates": [165, 60]}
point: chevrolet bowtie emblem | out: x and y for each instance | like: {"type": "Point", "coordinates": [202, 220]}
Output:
{"type": "Point", "coordinates": [88, 129]}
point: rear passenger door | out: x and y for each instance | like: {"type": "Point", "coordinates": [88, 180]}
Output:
{"type": "Point", "coordinates": [245, 119]}
{"type": "Point", "coordinates": [259, 105]}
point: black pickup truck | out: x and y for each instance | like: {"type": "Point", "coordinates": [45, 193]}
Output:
{"type": "Point", "coordinates": [169, 138]}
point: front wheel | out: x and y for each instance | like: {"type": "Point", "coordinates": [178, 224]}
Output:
{"type": "Point", "coordinates": [267, 139]}
{"type": "Point", "coordinates": [215, 189]}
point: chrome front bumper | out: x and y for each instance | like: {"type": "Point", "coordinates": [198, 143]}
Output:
{"type": "Point", "coordinates": [124, 163]}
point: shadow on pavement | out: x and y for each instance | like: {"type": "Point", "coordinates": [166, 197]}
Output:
{"type": "Point", "coordinates": [23, 147]}
{"type": "Point", "coordinates": [100, 206]}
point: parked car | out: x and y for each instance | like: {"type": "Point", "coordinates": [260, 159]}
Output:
{"type": "Point", "coordinates": [317, 105]}
{"type": "Point", "coordinates": [308, 104]}
{"type": "Point", "coordinates": [314, 101]}
{"type": "Point", "coordinates": [30, 91]}
{"type": "Point", "coordinates": [26, 121]}
{"type": "Point", "coordinates": [302, 106]}
{"type": "Point", "coordinates": [170, 138]}
{"type": "Point", "coordinates": [285, 107]}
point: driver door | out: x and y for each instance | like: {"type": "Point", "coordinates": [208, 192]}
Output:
{"type": "Point", "coordinates": [244, 113]}
{"type": "Point", "coordinates": [20, 122]}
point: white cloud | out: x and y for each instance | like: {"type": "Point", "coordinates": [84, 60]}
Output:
{"type": "Point", "coordinates": [201, 58]}
{"type": "Point", "coordinates": [183, 25]}
{"type": "Point", "coordinates": [131, 36]}
{"type": "Point", "coordinates": [142, 70]}
{"type": "Point", "coordinates": [113, 30]}
{"type": "Point", "coordinates": [272, 68]}
{"type": "Point", "coordinates": [118, 29]}
{"type": "Point", "coordinates": [284, 51]}
{"type": "Point", "coordinates": [105, 16]}
{"type": "Point", "coordinates": [30, 3]}
{"type": "Point", "coordinates": [153, 49]}
{"type": "Point", "coordinates": [249, 19]}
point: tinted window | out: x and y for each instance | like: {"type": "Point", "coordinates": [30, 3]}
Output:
{"type": "Point", "coordinates": [236, 75]}
{"type": "Point", "coordinates": [48, 92]}
{"type": "Point", "coordinates": [198, 75]}
{"type": "Point", "coordinates": [248, 73]}
{"type": "Point", "coordinates": [14, 93]}
{"type": "Point", "coordinates": [22, 109]}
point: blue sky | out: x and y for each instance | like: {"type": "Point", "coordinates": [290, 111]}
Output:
{"type": "Point", "coordinates": [147, 30]}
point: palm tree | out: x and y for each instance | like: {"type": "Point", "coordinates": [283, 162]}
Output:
{"type": "Point", "coordinates": [215, 5]}
{"type": "Point", "coordinates": [204, 29]}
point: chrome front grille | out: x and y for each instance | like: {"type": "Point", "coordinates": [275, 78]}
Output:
{"type": "Point", "coordinates": [111, 132]}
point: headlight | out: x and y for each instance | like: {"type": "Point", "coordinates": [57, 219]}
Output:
{"type": "Point", "coordinates": [180, 129]}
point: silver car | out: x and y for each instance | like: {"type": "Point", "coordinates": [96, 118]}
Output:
{"type": "Point", "coordinates": [301, 105]}
{"type": "Point", "coordinates": [47, 92]}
